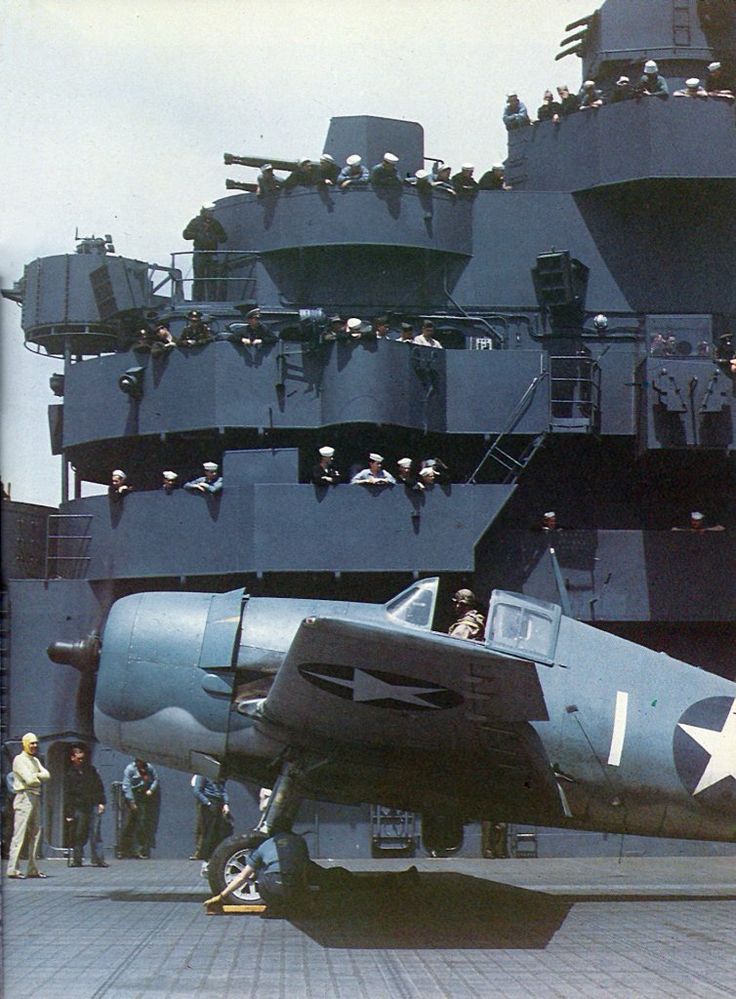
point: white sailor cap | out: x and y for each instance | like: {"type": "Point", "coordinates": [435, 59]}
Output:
{"type": "Point", "coordinates": [468, 166]}
{"type": "Point", "coordinates": [497, 166]}
{"type": "Point", "coordinates": [511, 93]}
{"type": "Point", "coordinates": [354, 324]}
{"type": "Point", "coordinates": [696, 516]}
{"type": "Point", "coordinates": [693, 83]}
{"type": "Point", "coordinates": [404, 462]}
{"type": "Point", "coordinates": [375, 457]}
{"type": "Point", "coordinates": [444, 168]}
{"type": "Point", "coordinates": [170, 476]}
{"type": "Point", "coordinates": [327, 451]}
{"type": "Point", "coordinates": [119, 473]}
{"type": "Point", "coordinates": [589, 84]}
{"type": "Point", "coordinates": [428, 471]}
{"type": "Point", "coordinates": [326, 158]}
{"type": "Point", "coordinates": [302, 160]}
{"type": "Point", "coordinates": [390, 158]}
{"type": "Point", "coordinates": [549, 515]}
{"type": "Point", "coordinates": [210, 466]}
{"type": "Point", "coordinates": [713, 66]}
{"type": "Point", "coordinates": [421, 174]}
{"type": "Point", "coordinates": [600, 320]}
{"type": "Point", "coordinates": [354, 160]}
{"type": "Point", "coordinates": [650, 66]}
{"type": "Point", "coordinates": [266, 166]}
{"type": "Point", "coordinates": [209, 206]}
{"type": "Point", "coordinates": [621, 80]}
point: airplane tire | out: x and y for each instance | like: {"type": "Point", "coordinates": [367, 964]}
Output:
{"type": "Point", "coordinates": [228, 860]}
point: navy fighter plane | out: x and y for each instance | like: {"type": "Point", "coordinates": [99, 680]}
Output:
{"type": "Point", "coordinates": [548, 722]}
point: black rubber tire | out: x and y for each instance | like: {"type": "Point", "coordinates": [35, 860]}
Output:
{"type": "Point", "coordinates": [228, 860]}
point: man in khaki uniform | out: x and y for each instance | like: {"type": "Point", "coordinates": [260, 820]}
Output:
{"type": "Point", "coordinates": [470, 622]}
{"type": "Point", "coordinates": [28, 776]}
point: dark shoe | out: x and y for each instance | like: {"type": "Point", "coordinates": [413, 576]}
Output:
{"type": "Point", "coordinates": [17, 877]}
{"type": "Point", "coordinates": [144, 856]}
{"type": "Point", "coordinates": [39, 874]}
{"type": "Point", "coordinates": [100, 863]}
{"type": "Point", "coordinates": [76, 863]}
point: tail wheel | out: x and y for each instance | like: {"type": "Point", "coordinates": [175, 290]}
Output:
{"type": "Point", "coordinates": [228, 860]}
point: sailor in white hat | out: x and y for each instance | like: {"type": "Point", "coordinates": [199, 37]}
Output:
{"type": "Point", "coordinates": [210, 482]}
{"type": "Point", "coordinates": [353, 173]}
{"type": "Point", "coordinates": [651, 83]}
{"type": "Point", "coordinates": [407, 476]}
{"type": "Point", "coordinates": [464, 183]}
{"type": "Point", "coordinates": [118, 485]}
{"type": "Point", "coordinates": [324, 472]}
{"type": "Point", "coordinates": [169, 481]}
{"type": "Point", "coordinates": [385, 174]}
{"type": "Point", "coordinates": [328, 170]}
{"type": "Point", "coordinates": [693, 88]}
{"type": "Point", "coordinates": [375, 474]}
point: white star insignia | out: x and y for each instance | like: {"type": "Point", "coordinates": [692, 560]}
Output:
{"type": "Point", "coordinates": [369, 688]}
{"type": "Point", "coordinates": [721, 746]}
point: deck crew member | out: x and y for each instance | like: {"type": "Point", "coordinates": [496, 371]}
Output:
{"type": "Point", "coordinates": [141, 791]}
{"type": "Point", "coordinates": [216, 820]}
{"type": "Point", "coordinates": [464, 183]}
{"type": "Point", "coordinates": [84, 803]}
{"type": "Point", "coordinates": [118, 487]}
{"type": "Point", "coordinates": [406, 475]}
{"type": "Point", "coordinates": [268, 182]}
{"type": "Point", "coordinates": [302, 176]}
{"type": "Point", "coordinates": [385, 174]}
{"type": "Point", "coordinates": [652, 84]}
{"type": "Point", "coordinates": [515, 114]}
{"type": "Point", "coordinates": [210, 482]}
{"type": "Point", "coordinates": [426, 337]}
{"type": "Point", "coordinates": [324, 472]}
{"type": "Point", "coordinates": [470, 623]}
{"type": "Point", "coordinates": [29, 775]}
{"type": "Point", "coordinates": [169, 481]}
{"type": "Point", "coordinates": [353, 174]}
{"type": "Point", "coordinates": [281, 868]}
{"type": "Point", "coordinates": [256, 334]}
{"type": "Point", "coordinates": [375, 474]}
{"type": "Point", "coordinates": [196, 332]}
{"type": "Point", "coordinates": [327, 171]}
{"type": "Point", "coordinates": [207, 234]}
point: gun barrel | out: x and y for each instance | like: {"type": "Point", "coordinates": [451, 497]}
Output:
{"type": "Point", "coordinates": [258, 161]}
{"type": "Point", "coordinates": [237, 185]}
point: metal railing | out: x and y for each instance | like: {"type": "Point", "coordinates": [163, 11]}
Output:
{"type": "Point", "coordinates": [212, 276]}
{"type": "Point", "coordinates": [575, 394]}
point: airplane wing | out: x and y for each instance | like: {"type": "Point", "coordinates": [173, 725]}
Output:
{"type": "Point", "coordinates": [387, 704]}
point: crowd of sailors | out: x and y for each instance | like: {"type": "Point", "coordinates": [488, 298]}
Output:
{"type": "Point", "coordinates": [717, 83]}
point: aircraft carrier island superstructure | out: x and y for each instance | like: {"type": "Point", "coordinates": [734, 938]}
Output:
{"type": "Point", "coordinates": [533, 403]}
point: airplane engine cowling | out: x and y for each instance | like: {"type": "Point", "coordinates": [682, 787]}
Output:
{"type": "Point", "coordinates": [442, 835]}
{"type": "Point", "coordinates": [165, 679]}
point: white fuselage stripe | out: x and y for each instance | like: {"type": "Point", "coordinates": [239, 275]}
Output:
{"type": "Point", "coordinates": [619, 728]}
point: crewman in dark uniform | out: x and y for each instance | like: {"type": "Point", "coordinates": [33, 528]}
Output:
{"type": "Point", "coordinates": [281, 868]}
{"type": "Point", "coordinates": [652, 84]}
{"type": "Point", "coordinates": [406, 476]}
{"type": "Point", "coordinates": [84, 800]}
{"type": "Point", "coordinates": [303, 176]}
{"type": "Point", "coordinates": [207, 234]}
{"type": "Point", "coordinates": [327, 171]}
{"type": "Point", "coordinates": [493, 179]}
{"type": "Point", "coordinates": [324, 472]}
{"type": "Point", "coordinates": [196, 332]}
{"type": "Point", "coordinates": [623, 91]}
{"type": "Point", "coordinates": [256, 334]}
{"type": "Point", "coordinates": [470, 622]}
{"type": "Point", "coordinates": [118, 487]}
{"type": "Point", "coordinates": [268, 182]}
{"type": "Point", "coordinates": [142, 797]}
{"type": "Point", "coordinates": [726, 354]}
{"type": "Point", "coordinates": [385, 174]}
{"type": "Point", "coordinates": [464, 183]}
{"type": "Point", "coordinates": [163, 340]}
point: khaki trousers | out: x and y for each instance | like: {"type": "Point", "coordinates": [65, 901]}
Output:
{"type": "Point", "coordinates": [26, 826]}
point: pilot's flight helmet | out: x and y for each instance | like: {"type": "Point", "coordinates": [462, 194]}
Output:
{"type": "Point", "coordinates": [465, 597]}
